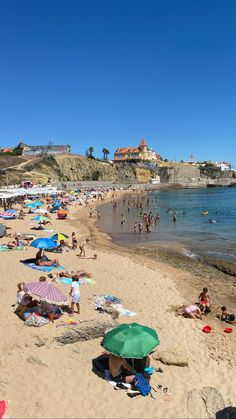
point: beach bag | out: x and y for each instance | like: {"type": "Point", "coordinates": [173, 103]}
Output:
{"type": "Point", "coordinates": [142, 385]}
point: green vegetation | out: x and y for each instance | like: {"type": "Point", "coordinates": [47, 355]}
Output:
{"type": "Point", "coordinates": [105, 152]}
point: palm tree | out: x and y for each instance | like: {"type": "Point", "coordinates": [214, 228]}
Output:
{"type": "Point", "coordinates": [91, 150]}
{"type": "Point", "coordinates": [105, 152]}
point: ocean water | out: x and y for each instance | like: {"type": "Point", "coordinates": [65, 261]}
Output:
{"type": "Point", "coordinates": [192, 233]}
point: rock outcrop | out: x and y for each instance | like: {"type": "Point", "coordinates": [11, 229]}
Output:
{"type": "Point", "coordinates": [171, 357]}
{"type": "Point", "coordinates": [87, 330]}
{"type": "Point", "coordinates": [205, 403]}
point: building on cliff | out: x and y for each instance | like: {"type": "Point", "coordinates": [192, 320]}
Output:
{"type": "Point", "coordinates": [51, 149]}
{"type": "Point", "coordinates": [140, 153]}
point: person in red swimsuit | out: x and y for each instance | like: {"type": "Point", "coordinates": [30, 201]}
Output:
{"type": "Point", "coordinates": [204, 299]}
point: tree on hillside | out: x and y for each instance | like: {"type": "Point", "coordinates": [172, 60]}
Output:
{"type": "Point", "coordinates": [105, 152]}
{"type": "Point", "coordinates": [91, 150]}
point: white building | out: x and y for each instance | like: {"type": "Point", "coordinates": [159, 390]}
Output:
{"type": "Point", "coordinates": [224, 165]}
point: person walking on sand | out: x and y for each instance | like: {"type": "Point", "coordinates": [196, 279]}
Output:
{"type": "Point", "coordinates": [82, 247]}
{"type": "Point", "coordinates": [75, 294]}
{"type": "Point", "coordinates": [74, 241]}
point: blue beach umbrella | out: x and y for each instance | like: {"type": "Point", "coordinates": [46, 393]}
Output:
{"type": "Point", "coordinates": [43, 243]}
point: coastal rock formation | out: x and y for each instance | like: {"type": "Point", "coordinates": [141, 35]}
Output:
{"type": "Point", "coordinates": [69, 168]}
{"type": "Point", "coordinates": [205, 403]}
{"type": "Point", "coordinates": [87, 330]}
{"type": "Point", "coordinates": [172, 357]}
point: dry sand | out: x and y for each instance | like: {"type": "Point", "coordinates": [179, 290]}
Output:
{"type": "Point", "coordinates": [58, 382]}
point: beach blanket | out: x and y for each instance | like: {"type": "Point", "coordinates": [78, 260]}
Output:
{"type": "Point", "coordinates": [31, 264]}
{"type": "Point", "coordinates": [68, 281]}
{"type": "Point", "coordinates": [5, 248]}
{"type": "Point", "coordinates": [102, 302]}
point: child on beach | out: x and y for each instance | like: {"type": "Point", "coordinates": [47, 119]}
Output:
{"type": "Point", "coordinates": [75, 294]}
{"type": "Point", "coordinates": [204, 299]}
{"type": "Point", "coordinates": [82, 247]}
{"type": "Point", "coordinates": [227, 316]}
{"type": "Point", "coordinates": [193, 312]}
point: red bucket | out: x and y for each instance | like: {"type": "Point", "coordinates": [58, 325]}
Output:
{"type": "Point", "coordinates": [228, 330]}
{"type": "Point", "coordinates": [207, 329]}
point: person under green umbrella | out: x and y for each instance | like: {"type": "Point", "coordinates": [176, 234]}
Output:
{"type": "Point", "coordinates": [131, 340]}
{"type": "Point", "coordinates": [128, 341]}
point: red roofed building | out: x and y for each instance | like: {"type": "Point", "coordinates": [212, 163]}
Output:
{"type": "Point", "coordinates": [142, 152]}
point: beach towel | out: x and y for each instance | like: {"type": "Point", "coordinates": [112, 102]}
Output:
{"type": "Point", "coordinates": [31, 264]}
{"type": "Point", "coordinates": [5, 248]}
{"type": "Point", "coordinates": [114, 383]}
{"type": "Point", "coordinates": [68, 281]}
{"type": "Point", "coordinates": [3, 408]}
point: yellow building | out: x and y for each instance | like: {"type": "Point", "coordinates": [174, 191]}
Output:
{"type": "Point", "coordinates": [140, 153]}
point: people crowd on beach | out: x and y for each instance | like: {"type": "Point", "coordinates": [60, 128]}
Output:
{"type": "Point", "coordinates": [147, 218]}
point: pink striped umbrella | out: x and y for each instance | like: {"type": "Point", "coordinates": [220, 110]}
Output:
{"type": "Point", "coordinates": [46, 292]}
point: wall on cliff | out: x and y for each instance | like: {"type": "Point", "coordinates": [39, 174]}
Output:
{"type": "Point", "coordinates": [179, 174]}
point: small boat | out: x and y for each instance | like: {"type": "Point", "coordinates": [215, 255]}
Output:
{"type": "Point", "coordinates": [210, 220]}
{"type": "Point", "coordinates": [204, 213]}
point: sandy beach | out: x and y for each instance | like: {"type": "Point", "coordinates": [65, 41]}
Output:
{"type": "Point", "coordinates": [42, 379]}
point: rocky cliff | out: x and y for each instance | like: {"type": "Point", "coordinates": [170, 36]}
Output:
{"type": "Point", "coordinates": [70, 168]}
{"type": "Point", "coordinates": [77, 168]}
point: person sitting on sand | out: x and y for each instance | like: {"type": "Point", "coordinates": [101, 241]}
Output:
{"type": "Point", "coordinates": [42, 259]}
{"type": "Point", "coordinates": [82, 247]}
{"type": "Point", "coordinates": [48, 309]}
{"type": "Point", "coordinates": [13, 244]}
{"type": "Point", "coordinates": [24, 300]}
{"type": "Point", "coordinates": [119, 369]}
{"type": "Point", "coordinates": [204, 299]}
{"type": "Point", "coordinates": [193, 312]}
{"type": "Point", "coordinates": [75, 294]}
{"type": "Point", "coordinates": [227, 316]}
{"type": "Point", "coordinates": [63, 246]}
{"type": "Point", "coordinates": [42, 279]}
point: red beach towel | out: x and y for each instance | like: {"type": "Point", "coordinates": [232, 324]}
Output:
{"type": "Point", "coordinates": [3, 408]}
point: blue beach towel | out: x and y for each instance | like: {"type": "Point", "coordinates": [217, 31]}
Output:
{"type": "Point", "coordinates": [68, 281]}
{"type": "Point", "coordinates": [64, 280]}
{"type": "Point", "coordinates": [31, 264]}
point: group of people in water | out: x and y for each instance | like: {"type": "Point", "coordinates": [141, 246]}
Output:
{"type": "Point", "coordinates": [147, 220]}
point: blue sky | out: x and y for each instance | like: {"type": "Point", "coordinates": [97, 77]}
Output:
{"type": "Point", "coordinates": [105, 73]}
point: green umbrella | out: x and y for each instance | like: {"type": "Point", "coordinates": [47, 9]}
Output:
{"type": "Point", "coordinates": [131, 340]}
